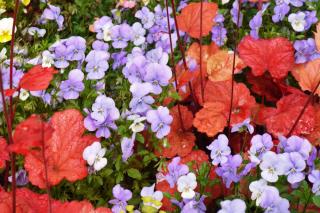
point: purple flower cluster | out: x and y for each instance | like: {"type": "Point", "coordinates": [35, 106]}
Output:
{"type": "Point", "coordinates": [219, 32]}
{"type": "Point", "coordinates": [52, 13]}
{"type": "Point", "coordinates": [67, 50]}
{"type": "Point", "coordinates": [121, 196]}
{"type": "Point", "coordinates": [237, 16]}
{"type": "Point", "coordinates": [196, 204]}
{"type": "Point", "coordinates": [256, 22]}
{"type": "Point", "coordinates": [306, 50]}
{"type": "Point", "coordinates": [102, 117]}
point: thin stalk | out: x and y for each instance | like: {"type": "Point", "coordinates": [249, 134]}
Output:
{"type": "Point", "coordinates": [233, 67]}
{"type": "Point", "coordinates": [173, 64]}
{"type": "Point", "coordinates": [200, 40]}
{"type": "Point", "coordinates": [303, 109]}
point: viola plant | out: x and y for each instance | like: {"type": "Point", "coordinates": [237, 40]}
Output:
{"type": "Point", "coordinates": [160, 106]}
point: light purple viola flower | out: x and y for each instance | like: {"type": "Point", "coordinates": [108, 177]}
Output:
{"type": "Point", "coordinates": [52, 13]}
{"type": "Point", "coordinates": [35, 31]}
{"type": "Point", "coordinates": [21, 178]}
{"type": "Point", "coordinates": [161, 17]}
{"type": "Point", "coordinates": [97, 64]}
{"type": "Point", "coordinates": [182, 4]}
{"type": "Point", "coordinates": [280, 11]}
{"type": "Point", "coordinates": [154, 34]}
{"type": "Point", "coordinates": [219, 35]}
{"type": "Point", "coordinates": [127, 148]}
{"type": "Point", "coordinates": [141, 101]}
{"type": "Point", "coordinates": [260, 144]}
{"type": "Point", "coordinates": [100, 45]}
{"type": "Point", "coordinates": [71, 88]}
{"type": "Point", "coordinates": [245, 125]}
{"type": "Point", "coordinates": [77, 47]}
{"type": "Point", "coordinates": [175, 170]}
{"type": "Point", "coordinates": [255, 24]}
{"type": "Point", "coordinates": [228, 171]}
{"type": "Point", "coordinates": [135, 70]}
{"type": "Point", "coordinates": [311, 18]}
{"type": "Point", "coordinates": [160, 121]}
{"type": "Point", "coordinates": [158, 75]}
{"type": "Point", "coordinates": [17, 74]}
{"type": "Point", "coordinates": [157, 55]}
{"type": "Point", "coordinates": [138, 34]}
{"type": "Point", "coordinates": [232, 206]}
{"type": "Point", "coordinates": [296, 144]}
{"type": "Point", "coordinates": [60, 51]}
{"type": "Point", "coordinates": [103, 116]}
{"type": "Point", "coordinates": [306, 50]}
{"type": "Point", "coordinates": [121, 196]}
{"type": "Point", "coordinates": [271, 167]}
{"type": "Point", "coordinates": [312, 158]}
{"type": "Point", "coordinates": [164, 41]}
{"type": "Point", "coordinates": [293, 165]}
{"type": "Point", "coordinates": [121, 35]}
{"type": "Point", "coordinates": [276, 204]}
{"type": "Point", "coordinates": [99, 25]}
{"type": "Point", "coordinates": [314, 177]}
{"type": "Point", "coordinates": [219, 150]}
{"type": "Point", "coordinates": [194, 205]}
{"type": "Point", "coordinates": [296, 3]}
{"type": "Point", "coordinates": [119, 59]}
{"type": "Point", "coordinates": [235, 14]}
{"type": "Point", "coordinates": [46, 97]}
{"type": "Point", "coordinates": [146, 17]}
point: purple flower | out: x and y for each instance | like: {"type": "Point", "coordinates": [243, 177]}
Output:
{"type": "Point", "coordinates": [119, 59]}
{"type": "Point", "coordinates": [271, 201]}
{"type": "Point", "coordinates": [293, 165]}
{"type": "Point", "coordinates": [60, 51]}
{"type": "Point", "coordinates": [141, 101]}
{"type": "Point", "coordinates": [160, 121]}
{"type": "Point", "coordinates": [245, 125]}
{"type": "Point", "coordinates": [296, 144]}
{"type": "Point", "coordinates": [235, 14]}
{"type": "Point", "coordinates": [260, 144]}
{"type": "Point", "coordinates": [157, 55]}
{"type": "Point", "coordinates": [127, 148]}
{"type": "Point", "coordinates": [231, 206]}
{"type": "Point", "coordinates": [175, 170]}
{"type": "Point", "coordinates": [219, 150]}
{"type": "Point", "coordinates": [311, 18]}
{"type": "Point", "coordinates": [16, 76]}
{"type": "Point", "coordinates": [100, 45]}
{"type": "Point", "coordinates": [314, 177]}
{"type": "Point", "coordinates": [34, 31]}
{"type": "Point", "coordinates": [100, 25]}
{"type": "Point", "coordinates": [97, 64]}
{"type": "Point", "coordinates": [21, 178]}
{"type": "Point", "coordinates": [46, 97]}
{"type": "Point", "coordinates": [76, 48]}
{"type": "Point", "coordinates": [164, 41]}
{"type": "Point", "coordinates": [219, 35]}
{"type": "Point", "coordinates": [182, 4]}
{"type": "Point", "coordinates": [103, 116]}
{"type": "Point", "coordinates": [280, 11]}
{"type": "Point", "coordinates": [296, 3]}
{"type": "Point", "coordinates": [52, 13]}
{"type": "Point", "coordinates": [306, 50]}
{"type": "Point", "coordinates": [194, 205]}
{"type": "Point", "coordinates": [312, 158]}
{"type": "Point", "coordinates": [138, 34]}
{"type": "Point", "coordinates": [121, 35]}
{"type": "Point", "coordinates": [146, 17]}
{"type": "Point", "coordinates": [271, 167]}
{"type": "Point", "coordinates": [135, 70]}
{"type": "Point", "coordinates": [228, 171]}
{"type": "Point", "coordinates": [158, 75]}
{"type": "Point", "coordinates": [121, 196]}
{"type": "Point", "coordinates": [71, 88]}
{"type": "Point", "coordinates": [255, 24]}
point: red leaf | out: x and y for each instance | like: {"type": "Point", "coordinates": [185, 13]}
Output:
{"type": "Point", "coordinates": [30, 134]}
{"type": "Point", "coordinates": [37, 78]}
{"type": "Point", "coordinates": [78, 207]}
{"type": "Point", "coordinates": [281, 119]}
{"type": "Point", "coordinates": [314, 136]}
{"type": "Point", "coordinates": [187, 118]}
{"type": "Point", "coordinates": [196, 157]}
{"type": "Point", "coordinates": [9, 92]}
{"type": "Point", "coordinates": [275, 55]}
{"type": "Point", "coordinates": [4, 155]}
{"type": "Point", "coordinates": [63, 150]}
{"type": "Point", "coordinates": [189, 19]}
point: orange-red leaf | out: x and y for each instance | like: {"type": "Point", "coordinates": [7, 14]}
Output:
{"type": "Point", "coordinates": [63, 150]}
{"type": "Point", "coordinates": [189, 19]}
{"type": "Point", "coordinates": [308, 75]}
{"type": "Point", "coordinates": [187, 117]}
{"type": "Point", "coordinates": [317, 36]}
{"type": "Point", "coordinates": [281, 119]}
{"type": "Point", "coordinates": [4, 155]}
{"type": "Point", "coordinates": [314, 136]}
{"type": "Point", "coordinates": [37, 78]}
{"type": "Point", "coordinates": [275, 55]}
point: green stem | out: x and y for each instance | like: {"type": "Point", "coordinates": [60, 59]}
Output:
{"type": "Point", "coordinates": [306, 204]}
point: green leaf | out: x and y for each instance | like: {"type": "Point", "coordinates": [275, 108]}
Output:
{"type": "Point", "coordinates": [134, 173]}
{"type": "Point", "coordinates": [139, 138]}
{"type": "Point", "coordinates": [316, 200]}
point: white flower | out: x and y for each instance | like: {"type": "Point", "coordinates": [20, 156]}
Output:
{"type": "Point", "coordinates": [186, 185]}
{"type": "Point", "coordinates": [107, 31]}
{"type": "Point", "coordinates": [36, 31]}
{"type": "Point", "coordinates": [137, 125]}
{"type": "Point", "coordinates": [3, 55]}
{"type": "Point", "coordinates": [24, 95]}
{"type": "Point", "coordinates": [47, 59]}
{"type": "Point", "coordinates": [139, 32]}
{"type": "Point", "coordinates": [271, 167]}
{"type": "Point", "coordinates": [257, 188]}
{"type": "Point", "coordinates": [151, 197]}
{"type": "Point", "coordinates": [297, 21]}
{"type": "Point", "coordinates": [93, 154]}
{"type": "Point", "coordinates": [6, 29]}
{"type": "Point", "coordinates": [233, 206]}
{"type": "Point", "coordinates": [225, 1]}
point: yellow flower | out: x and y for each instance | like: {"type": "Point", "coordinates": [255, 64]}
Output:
{"type": "Point", "coordinates": [130, 208]}
{"type": "Point", "coordinates": [145, 2]}
{"type": "Point", "coordinates": [5, 29]}
{"type": "Point", "coordinates": [25, 2]}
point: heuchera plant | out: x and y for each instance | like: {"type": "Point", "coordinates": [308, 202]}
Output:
{"type": "Point", "coordinates": [160, 106]}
